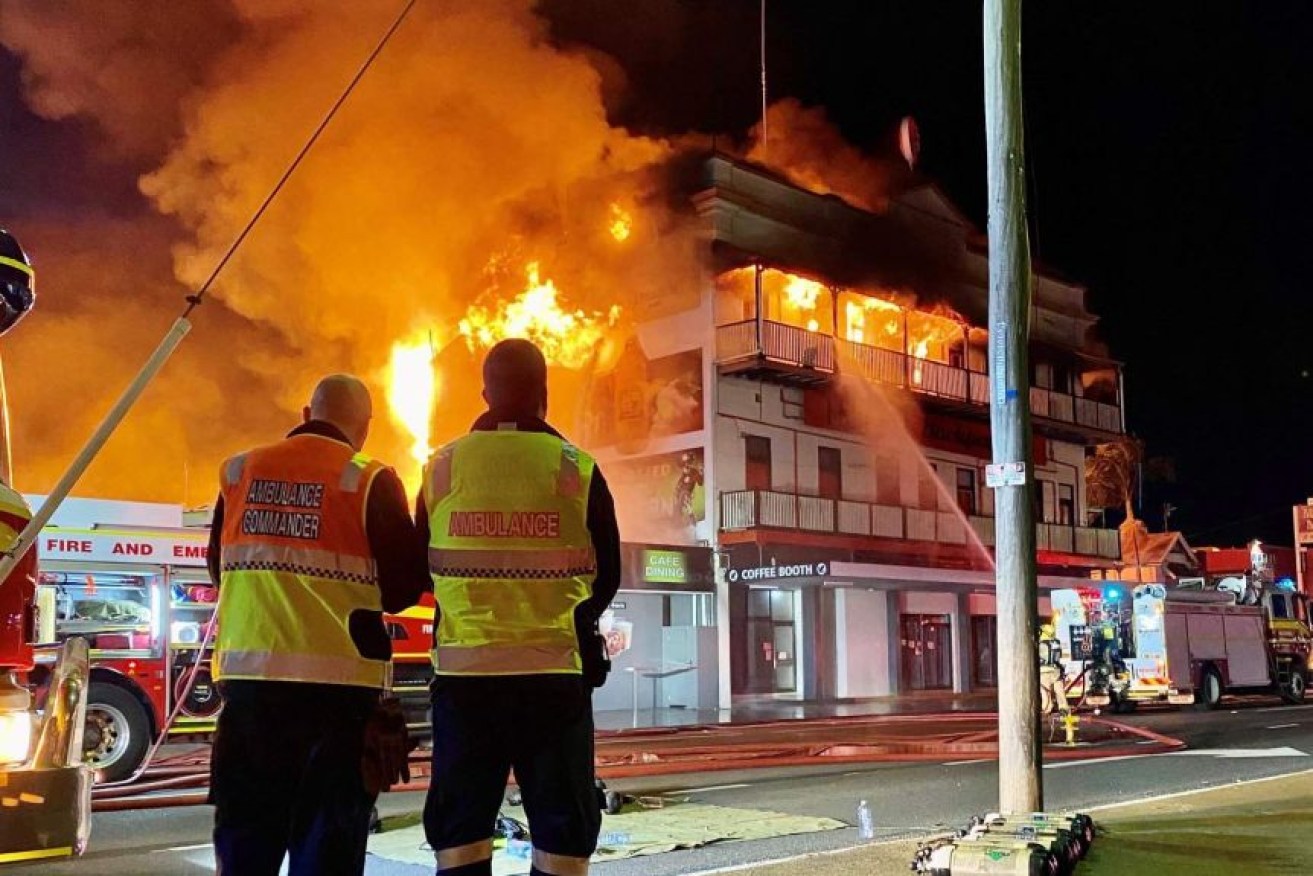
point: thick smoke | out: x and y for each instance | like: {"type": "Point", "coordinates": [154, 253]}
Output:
{"type": "Point", "coordinates": [808, 149]}
{"type": "Point", "coordinates": [471, 141]}
{"type": "Point", "coordinates": [474, 146]}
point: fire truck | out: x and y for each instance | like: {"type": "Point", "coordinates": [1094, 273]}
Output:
{"type": "Point", "coordinates": [1233, 630]}
{"type": "Point", "coordinates": [131, 579]}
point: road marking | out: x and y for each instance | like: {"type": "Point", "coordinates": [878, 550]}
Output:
{"type": "Point", "coordinates": [1063, 764]}
{"type": "Point", "coordinates": [709, 788]}
{"type": "Point", "coordinates": [1154, 799]}
{"type": "Point", "coordinates": [1236, 753]}
{"type": "Point", "coordinates": [194, 848]}
{"type": "Point", "coordinates": [967, 762]}
{"type": "Point", "coordinates": [1283, 726]}
{"type": "Point", "coordinates": [738, 868]}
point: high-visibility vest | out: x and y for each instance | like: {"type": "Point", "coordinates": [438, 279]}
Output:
{"type": "Point", "coordinates": [296, 564]}
{"type": "Point", "coordinates": [509, 552]}
{"type": "Point", "coordinates": [18, 591]}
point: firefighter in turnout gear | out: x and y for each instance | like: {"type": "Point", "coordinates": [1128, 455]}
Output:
{"type": "Point", "coordinates": [311, 542]}
{"type": "Point", "coordinates": [524, 553]}
{"type": "Point", "coordinates": [1053, 693]}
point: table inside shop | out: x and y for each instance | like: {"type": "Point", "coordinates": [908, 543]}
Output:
{"type": "Point", "coordinates": [657, 673]}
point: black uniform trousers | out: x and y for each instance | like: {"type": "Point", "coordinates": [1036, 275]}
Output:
{"type": "Point", "coordinates": [539, 725]}
{"type": "Point", "coordinates": [285, 779]}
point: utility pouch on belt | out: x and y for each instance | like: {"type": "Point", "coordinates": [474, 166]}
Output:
{"type": "Point", "coordinates": [386, 758]}
{"type": "Point", "coordinates": [596, 661]}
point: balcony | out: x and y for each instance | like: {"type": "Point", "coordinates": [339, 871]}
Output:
{"type": "Point", "coordinates": [775, 350]}
{"type": "Point", "coordinates": [763, 509]}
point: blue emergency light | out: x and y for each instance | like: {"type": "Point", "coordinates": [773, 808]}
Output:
{"type": "Point", "coordinates": [1112, 594]}
{"type": "Point", "coordinates": [1287, 584]}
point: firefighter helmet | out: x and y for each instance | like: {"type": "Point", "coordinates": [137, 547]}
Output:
{"type": "Point", "coordinates": [17, 282]}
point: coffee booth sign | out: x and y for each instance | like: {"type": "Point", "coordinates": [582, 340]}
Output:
{"type": "Point", "coordinates": [777, 573]}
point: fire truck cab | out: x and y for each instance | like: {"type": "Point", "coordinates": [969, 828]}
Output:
{"type": "Point", "coordinates": [131, 578]}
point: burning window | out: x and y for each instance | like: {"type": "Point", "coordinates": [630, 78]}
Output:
{"type": "Point", "coordinates": [874, 321]}
{"type": "Point", "coordinates": [786, 298]}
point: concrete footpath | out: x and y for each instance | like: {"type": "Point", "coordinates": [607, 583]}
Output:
{"type": "Point", "coordinates": [1258, 828]}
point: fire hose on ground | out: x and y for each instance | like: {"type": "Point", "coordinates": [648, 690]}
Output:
{"type": "Point", "coordinates": [714, 748]}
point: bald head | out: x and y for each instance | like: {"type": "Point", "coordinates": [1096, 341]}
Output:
{"type": "Point", "coordinates": [342, 400]}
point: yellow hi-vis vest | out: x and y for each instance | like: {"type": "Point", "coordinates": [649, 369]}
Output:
{"type": "Point", "coordinates": [296, 564]}
{"type": "Point", "coordinates": [509, 552]}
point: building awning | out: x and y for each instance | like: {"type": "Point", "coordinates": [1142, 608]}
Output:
{"type": "Point", "coordinates": [947, 579]}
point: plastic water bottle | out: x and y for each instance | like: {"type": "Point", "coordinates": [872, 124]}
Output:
{"type": "Point", "coordinates": [865, 821]}
{"type": "Point", "coordinates": [614, 839]}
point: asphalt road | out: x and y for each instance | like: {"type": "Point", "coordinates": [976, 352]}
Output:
{"type": "Point", "coordinates": [1247, 740]}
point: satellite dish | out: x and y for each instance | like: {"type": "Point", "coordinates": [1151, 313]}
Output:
{"type": "Point", "coordinates": [909, 140]}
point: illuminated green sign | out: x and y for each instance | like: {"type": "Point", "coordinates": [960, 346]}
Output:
{"type": "Point", "coordinates": [664, 567]}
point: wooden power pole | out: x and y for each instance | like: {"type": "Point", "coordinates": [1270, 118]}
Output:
{"type": "Point", "coordinates": [1019, 749]}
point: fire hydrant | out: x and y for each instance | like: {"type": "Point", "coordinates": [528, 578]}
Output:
{"type": "Point", "coordinates": [1070, 722]}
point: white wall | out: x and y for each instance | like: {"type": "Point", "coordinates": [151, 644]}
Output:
{"type": "Point", "coordinates": [643, 610]}
{"type": "Point", "coordinates": [748, 407]}
{"type": "Point", "coordinates": [913, 602]}
{"type": "Point", "coordinates": [861, 643]}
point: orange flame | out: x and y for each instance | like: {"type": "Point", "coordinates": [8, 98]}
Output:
{"type": "Point", "coordinates": [566, 338]}
{"type": "Point", "coordinates": [622, 223]}
{"type": "Point", "coordinates": [412, 388]}
{"type": "Point", "coordinates": [802, 293]}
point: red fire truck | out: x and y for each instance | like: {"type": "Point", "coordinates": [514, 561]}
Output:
{"type": "Point", "coordinates": [131, 579]}
{"type": "Point", "coordinates": [1238, 628]}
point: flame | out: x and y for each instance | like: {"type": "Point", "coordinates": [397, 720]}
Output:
{"type": "Point", "coordinates": [412, 387]}
{"type": "Point", "coordinates": [813, 325]}
{"type": "Point", "coordinates": [802, 293]}
{"type": "Point", "coordinates": [622, 223]}
{"type": "Point", "coordinates": [888, 321]}
{"type": "Point", "coordinates": [566, 338]}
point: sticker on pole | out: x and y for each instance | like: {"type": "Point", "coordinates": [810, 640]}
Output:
{"type": "Point", "coordinates": [1005, 474]}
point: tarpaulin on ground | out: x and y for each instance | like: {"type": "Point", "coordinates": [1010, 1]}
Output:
{"type": "Point", "coordinates": [630, 834]}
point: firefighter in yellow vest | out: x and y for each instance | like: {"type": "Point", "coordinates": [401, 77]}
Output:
{"type": "Point", "coordinates": [311, 542]}
{"type": "Point", "coordinates": [524, 551]}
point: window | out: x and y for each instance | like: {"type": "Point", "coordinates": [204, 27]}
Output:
{"type": "Point", "coordinates": [1066, 505]}
{"type": "Point", "coordinates": [966, 491]}
{"type": "Point", "coordinates": [888, 491]}
{"type": "Point", "coordinates": [757, 451]}
{"type": "Point", "coordinates": [1043, 375]}
{"type": "Point", "coordinates": [927, 489]}
{"type": "Point", "coordinates": [1045, 503]}
{"type": "Point", "coordinates": [830, 465]}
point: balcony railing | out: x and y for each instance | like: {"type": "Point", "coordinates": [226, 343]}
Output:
{"type": "Point", "coordinates": [796, 347]}
{"type": "Point", "coordinates": [757, 509]}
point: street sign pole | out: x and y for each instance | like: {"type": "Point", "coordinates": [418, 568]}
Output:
{"type": "Point", "coordinates": [1020, 786]}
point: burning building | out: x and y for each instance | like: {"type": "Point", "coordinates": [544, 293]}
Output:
{"type": "Point", "coordinates": [818, 414]}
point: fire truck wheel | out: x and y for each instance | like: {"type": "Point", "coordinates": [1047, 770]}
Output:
{"type": "Point", "coordinates": [1293, 691]}
{"type": "Point", "coordinates": [1209, 694]}
{"type": "Point", "coordinates": [117, 732]}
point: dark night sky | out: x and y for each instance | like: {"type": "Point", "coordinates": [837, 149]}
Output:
{"type": "Point", "coordinates": [1168, 145]}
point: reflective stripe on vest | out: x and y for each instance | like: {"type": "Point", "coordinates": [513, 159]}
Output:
{"type": "Point", "coordinates": [296, 564]}
{"type": "Point", "coordinates": [509, 552]}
